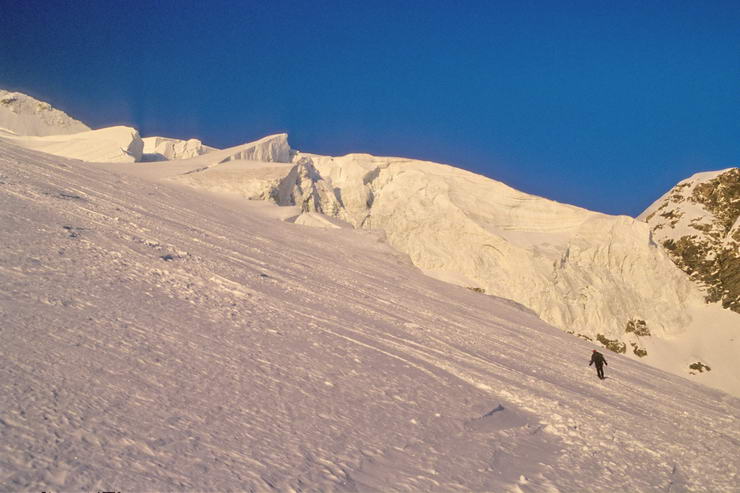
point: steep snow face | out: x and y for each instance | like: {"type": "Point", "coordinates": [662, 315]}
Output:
{"type": "Point", "coordinates": [698, 224]}
{"type": "Point", "coordinates": [156, 338]}
{"type": "Point", "coordinates": [166, 149]}
{"type": "Point", "coordinates": [110, 145]}
{"type": "Point", "coordinates": [23, 115]}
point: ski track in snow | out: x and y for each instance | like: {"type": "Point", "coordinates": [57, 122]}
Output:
{"type": "Point", "coordinates": [159, 339]}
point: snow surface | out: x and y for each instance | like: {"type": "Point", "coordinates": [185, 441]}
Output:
{"type": "Point", "coordinates": [24, 115]}
{"type": "Point", "coordinates": [111, 144]}
{"type": "Point", "coordinates": [156, 339]}
{"type": "Point", "coordinates": [582, 271]}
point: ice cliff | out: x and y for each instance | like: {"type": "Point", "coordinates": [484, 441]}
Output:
{"type": "Point", "coordinates": [167, 149]}
{"type": "Point", "coordinates": [582, 271]}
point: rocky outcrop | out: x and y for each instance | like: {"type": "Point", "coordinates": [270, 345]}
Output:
{"type": "Point", "coordinates": [21, 114]}
{"type": "Point", "coordinates": [698, 224]}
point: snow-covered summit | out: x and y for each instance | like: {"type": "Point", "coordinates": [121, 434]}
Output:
{"type": "Point", "coordinates": [23, 115]}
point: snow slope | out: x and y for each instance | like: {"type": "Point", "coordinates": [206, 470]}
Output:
{"type": "Point", "coordinates": [111, 144]}
{"type": "Point", "coordinates": [585, 272]}
{"type": "Point", "coordinates": [158, 339]}
{"type": "Point", "coordinates": [23, 115]}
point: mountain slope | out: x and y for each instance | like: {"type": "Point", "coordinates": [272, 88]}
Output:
{"type": "Point", "coordinates": [595, 275]}
{"type": "Point", "coordinates": [23, 115]}
{"type": "Point", "coordinates": [698, 223]}
{"type": "Point", "coordinates": [157, 339]}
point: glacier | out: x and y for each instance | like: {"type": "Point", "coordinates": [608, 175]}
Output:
{"type": "Point", "coordinates": [159, 338]}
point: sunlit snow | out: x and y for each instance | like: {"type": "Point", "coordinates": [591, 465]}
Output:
{"type": "Point", "coordinates": [159, 338]}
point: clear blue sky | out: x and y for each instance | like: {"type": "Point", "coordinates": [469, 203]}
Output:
{"type": "Point", "coordinates": [605, 105]}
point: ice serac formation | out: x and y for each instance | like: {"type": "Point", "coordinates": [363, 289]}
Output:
{"type": "Point", "coordinates": [167, 149]}
{"type": "Point", "coordinates": [21, 114]}
{"type": "Point", "coordinates": [697, 223]}
{"type": "Point", "coordinates": [110, 145]}
{"type": "Point", "coordinates": [273, 149]}
{"type": "Point", "coordinates": [582, 271]}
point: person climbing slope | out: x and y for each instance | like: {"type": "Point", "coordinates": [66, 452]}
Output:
{"type": "Point", "coordinates": [598, 358]}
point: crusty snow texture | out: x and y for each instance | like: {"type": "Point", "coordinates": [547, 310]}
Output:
{"type": "Point", "coordinates": [156, 338]}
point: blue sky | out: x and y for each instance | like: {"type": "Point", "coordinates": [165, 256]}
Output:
{"type": "Point", "coordinates": [604, 105]}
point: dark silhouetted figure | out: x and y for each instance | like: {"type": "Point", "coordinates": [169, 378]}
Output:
{"type": "Point", "coordinates": [598, 358]}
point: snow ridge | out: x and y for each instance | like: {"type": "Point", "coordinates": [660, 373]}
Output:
{"type": "Point", "coordinates": [23, 115]}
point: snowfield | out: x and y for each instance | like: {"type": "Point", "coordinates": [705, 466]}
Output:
{"type": "Point", "coordinates": [587, 273]}
{"type": "Point", "coordinates": [159, 338]}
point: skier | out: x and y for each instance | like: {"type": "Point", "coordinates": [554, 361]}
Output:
{"type": "Point", "coordinates": [598, 358]}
